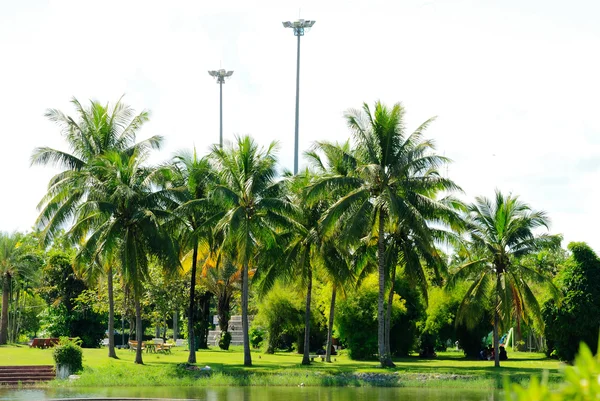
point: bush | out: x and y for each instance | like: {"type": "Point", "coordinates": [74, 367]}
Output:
{"type": "Point", "coordinates": [405, 332]}
{"type": "Point", "coordinates": [472, 339]}
{"type": "Point", "coordinates": [439, 326]}
{"type": "Point", "coordinates": [574, 320]}
{"type": "Point", "coordinates": [68, 353]}
{"type": "Point", "coordinates": [281, 314]}
{"type": "Point", "coordinates": [356, 319]}
{"type": "Point", "coordinates": [225, 340]}
{"type": "Point", "coordinates": [257, 335]}
{"type": "Point", "coordinates": [581, 382]}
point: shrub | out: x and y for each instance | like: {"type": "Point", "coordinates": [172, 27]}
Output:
{"type": "Point", "coordinates": [225, 340]}
{"type": "Point", "coordinates": [356, 319]}
{"type": "Point", "coordinates": [257, 335]}
{"type": "Point", "coordinates": [574, 320]}
{"type": "Point", "coordinates": [581, 382]}
{"type": "Point", "coordinates": [472, 339]}
{"type": "Point", "coordinates": [68, 353]}
{"type": "Point", "coordinates": [281, 314]}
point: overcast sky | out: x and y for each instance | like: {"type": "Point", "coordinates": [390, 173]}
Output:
{"type": "Point", "coordinates": [515, 84]}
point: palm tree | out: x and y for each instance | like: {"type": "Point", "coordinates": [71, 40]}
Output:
{"type": "Point", "coordinates": [329, 159]}
{"type": "Point", "coordinates": [96, 130]}
{"type": "Point", "coordinates": [392, 182]}
{"type": "Point", "coordinates": [122, 216]}
{"type": "Point", "coordinates": [247, 188]}
{"type": "Point", "coordinates": [223, 278]}
{"type": "Point", "coordinates": [501, 231]}
{"type": "Point", "coordinates": [16, 261]}
{"type": "Point", "coordinates": [196, 215]}
{"type": "Point", "coordinates": [300, 244]}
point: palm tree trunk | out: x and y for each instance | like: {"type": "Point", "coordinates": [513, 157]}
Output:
{"type": "Point", "coordinates": [224, 310]}
{"type": "Point", "coordinates": [246, 338]}
{"type": "Point", "coordinates": [138, 331]}
{"type": "Point", "coordinates": [191, 312]}
{"type": "Point", "coordinates": [384, 358]}
{"type": "Point", "coordinates": [175, 323]}
{"type": "Point", "coordinates": [111, 316]}
{"type": "Point", "coordinates": [496, 323]}
{"type": "Point", "coordinates": [306, 357]}
{"type": "Point", "coordinates": [4, 315]}
{"type": "Point", "coordinates": [388, 312]}
{"type": "Point", "coordinates": [330, 325]}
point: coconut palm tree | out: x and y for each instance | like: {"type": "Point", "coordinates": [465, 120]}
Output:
{"type": "Point", "coordinates": [17, 260]}
{"type": "Point", "coordinates": [122, 216]}
{"type": "Point", "coordinates": [501, 231]}
{"type": "Point", "coordinates": [95, 130]}
{"type": "Point", "coordinates": [333, 160]}
{"type": "Point", "coordinates": [392, 179]}
{"type": "Point", "coordinates": [300, 245]}
{"type": "Point", "coordinates": [222, 277]}
{"type": "Point", "coordinates": [196, 216]}
{"type": "Point", "coordinates": [248, 190]}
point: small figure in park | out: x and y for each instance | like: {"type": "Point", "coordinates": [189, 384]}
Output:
{"type": "Point", "coordinates": [502, 354]}
{"type": "Point", "coordinates": [490, 354]}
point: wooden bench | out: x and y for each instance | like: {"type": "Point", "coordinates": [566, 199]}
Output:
{"type": "Point", "coordinates": [43, 342]}
{"type": "Point", "coordinates": [313, 356]}
{"type": "Point", "coordinates": [164, 348]}
{"type": "Point", "coordinates": [133, 345]}
{"type": "Point", "coordinates": [37, 343]}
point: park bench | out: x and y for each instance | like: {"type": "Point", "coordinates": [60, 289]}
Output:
{"type": "Point", "coordinates": [164, 348]}
{"type": "Point", "coordinates": [43, 342]}
{"type": "Point", "coordinates": [313, 356]}
{"type": "Point", "coordinates": [133, 345]}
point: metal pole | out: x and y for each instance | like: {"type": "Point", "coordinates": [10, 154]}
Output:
{"type": "Point", "coordinates": [297, 108]}
{"type": "Point", "coordinates": [221, 115]}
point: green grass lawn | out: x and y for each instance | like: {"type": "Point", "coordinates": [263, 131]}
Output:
{"type": "Point", "coordinates": [281, 368]}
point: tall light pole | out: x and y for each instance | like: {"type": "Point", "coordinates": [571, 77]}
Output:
{"type": "Point", "coordinates": [220, 75]}
{"type": "Point", "coordinates": [299, 28]}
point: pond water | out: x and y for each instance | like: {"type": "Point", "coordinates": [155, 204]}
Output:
{"type": "Point", "coordinates": [256, 394]}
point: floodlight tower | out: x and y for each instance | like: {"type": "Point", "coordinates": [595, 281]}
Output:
{"type": "Point", "coordinates": [299, 28]}
{"type": "Point", "coordinates": [220, 75]}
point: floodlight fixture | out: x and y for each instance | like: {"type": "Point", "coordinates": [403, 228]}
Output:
{"type": "Point", "coordinates": [300, 27]}
{"type": "Point", "coordinates": [220, 75]}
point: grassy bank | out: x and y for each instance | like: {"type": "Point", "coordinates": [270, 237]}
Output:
{"type": "Point", "coordinates": [450, 369]}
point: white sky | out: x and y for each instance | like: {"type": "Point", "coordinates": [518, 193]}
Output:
{"type": "Point", "coordinates": [515, 84]}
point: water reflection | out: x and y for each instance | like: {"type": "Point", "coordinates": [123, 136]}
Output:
{"type": "Point", "coordinates": [255, 394]}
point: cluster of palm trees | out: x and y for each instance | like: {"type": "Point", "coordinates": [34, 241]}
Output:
{"type": "Point", "coordinates": [364, 206]}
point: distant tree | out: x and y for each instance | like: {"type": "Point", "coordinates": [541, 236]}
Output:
{"type": "Point", "coordinates": [334, 261]}
{"type": "Point", "coordinates": [17, 260]}
{"type": "Point", "coordinates": [574, 320]}
{"type": "Point", "coordinates": [122, 216]}
{"type": "Point", "coordinates": [94, 131]}
{"type": "Point", "coordinates": [248, 190]}
{"type": "Point", "coordinates": [396, 173]}
{"type": "Point", "coordinates": [196, 215]}
{"type": "Point", "coordinates": [501, 232]}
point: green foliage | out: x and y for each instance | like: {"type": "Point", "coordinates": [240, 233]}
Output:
{"type": "Point", "coordinates": [581, 382]}
{"type": "Point", "coordinates": [439, 325]}
{"type": "Point", "coordinates": [574, 320]}
{"type": "Point", "coordinates": [404, 330]}
{"type": "Point", "coordinates": [356, 321]}
{"type": "Point", "coordinates": [282, 316]}
{"type": "Point", "coordinates": [54, 321]}
{"type": "Point", "coordinates": [69, 353]}
{"type": "Point", "coordinates": [59, 283]}
{"type": "Point", "coordinates": [257, 336]}
{"type": "Point", "coordinates": [472, 338]}
{"type": "Point", "coordinates": [225, 340]}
